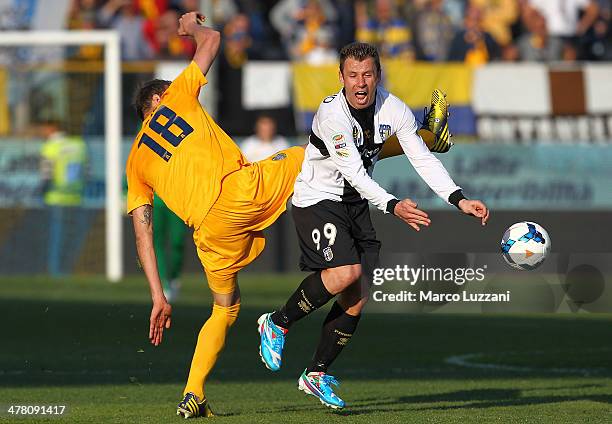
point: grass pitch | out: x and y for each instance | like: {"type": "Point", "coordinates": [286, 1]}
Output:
{"type": "Point", "coordinates": [82, 342]}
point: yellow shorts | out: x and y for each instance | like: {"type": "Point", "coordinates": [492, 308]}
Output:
{"type": "Point", "coordinates": [251, 199]}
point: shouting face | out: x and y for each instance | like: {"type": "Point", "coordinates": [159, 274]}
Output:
{"type": "Point", "coordinates": [360, 79]}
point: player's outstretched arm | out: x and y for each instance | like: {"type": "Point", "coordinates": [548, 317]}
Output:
{"type": "Point", "coordinates": [142, 217]}
{"type": "Point", "coordinates": [207, 39]}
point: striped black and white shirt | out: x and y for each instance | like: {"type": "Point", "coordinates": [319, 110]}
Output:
{"type": "Point", "coordinates": [344, 145]}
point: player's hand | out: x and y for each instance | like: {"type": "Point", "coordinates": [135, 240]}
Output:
{"type": "Point", "coordinates": [160, 318]}
{"type": "Point", "coordinates": [475, 208]}
{"type": "Point", "coordinates": [407, 211]}
{"type": "Point", "coordinates": [189, 22]}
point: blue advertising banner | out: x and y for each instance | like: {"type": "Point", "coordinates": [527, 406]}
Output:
{"type": "Point", "coordinates": [548, 177]}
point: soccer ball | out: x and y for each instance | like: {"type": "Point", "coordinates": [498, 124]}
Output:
{"type": "Point", "coordinates": [525, 245]}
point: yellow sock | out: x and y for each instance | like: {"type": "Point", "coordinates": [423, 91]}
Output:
{"type": "Point", "coordinates": [210, 343]}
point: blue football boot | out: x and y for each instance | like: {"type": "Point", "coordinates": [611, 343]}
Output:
{"type": "Point", "coordinates": [272, 342]}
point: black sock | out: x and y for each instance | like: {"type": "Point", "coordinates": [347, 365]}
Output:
{"type": "Point", "coordinates": [309, 296]}
{"type": "Point", "coordinates": [370, 260]}
{"type": "Point", "coordinates": [338, 329]}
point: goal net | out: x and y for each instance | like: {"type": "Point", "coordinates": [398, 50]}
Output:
{"type": "Point", "coordinates": [60, 153]}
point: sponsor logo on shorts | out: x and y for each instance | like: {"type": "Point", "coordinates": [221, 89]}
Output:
{"type": "Point", "coordinates": [328, 254]}
{"type": "Point", "coordinates": [279, 156]}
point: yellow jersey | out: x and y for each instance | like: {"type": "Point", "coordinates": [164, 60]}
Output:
{"type": "Point", "coordinates": [181, 153]}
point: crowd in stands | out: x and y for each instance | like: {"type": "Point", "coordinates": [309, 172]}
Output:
{"type": "Point", "coordinates": [471, 31]}
{"type": "Point", "coordinates": [313, 31]}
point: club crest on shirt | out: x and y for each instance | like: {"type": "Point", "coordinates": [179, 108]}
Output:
{"type": "Point", "coordinates": [279, 156]}
{"type": "Point", "coordinates": [328, 254]}
{"type": "Point", "coordinates": [385, 131]}
{"type": "Point", "coordinates": [355, 134]}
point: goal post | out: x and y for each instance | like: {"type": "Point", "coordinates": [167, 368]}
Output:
{"type": "Point", "coordinates": [112, 125]}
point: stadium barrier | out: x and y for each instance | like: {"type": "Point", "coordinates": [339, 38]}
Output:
{"type": "Point", "coordinates": [509, 177]}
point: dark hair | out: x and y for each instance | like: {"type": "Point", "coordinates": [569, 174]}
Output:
{"type": "Point", "coordinates": [265, 115]}
{"type": "Point", "coordinates": [144, 94]}
{"type": "Point", "coordinates": [359, 51]}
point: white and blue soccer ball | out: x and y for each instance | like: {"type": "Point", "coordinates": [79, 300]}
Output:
{"type": "Point", "coordinates": [525, 245]}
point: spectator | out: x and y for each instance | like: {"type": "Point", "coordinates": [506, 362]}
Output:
{"type": "Point", "coordinates": [433, 32]}
{"type": "Point", "coordinates": [236, 41]}
{"type": "Point", "coordinates": [407, 10]}
{"type": "Point", "coordinates": [323, 51]}
{"type": "Point", "coordinates": [598, 42]}
{"type": "Point", "coordinates": [222, 10]}
{"type": "Point", "coordinates": [266, 41]}
{"type": "Point", "coordinates": [537, 45]}
{"type": "Point", "coordinates": [161, 34]}
{"type": "Point", "coordinates": [455, 10]}
{"type": "Point", "coordinates": [498, 17]}
{"type": "Point", "coordinates": [82, 16]}
{"type": "Point", "coordinates": [517, 28]}
{"type": "Point", "coordinates": [472, 44]}
{"type": "Point", "coordinates": [151, 9]}
{"type": "Point", "coordinates": [234, 53]}
{"type": "Point", "coordinates": [265, 142]}
{"type": "Point", "coordinates": [123, 16]}
{"type": "Point", "coordinates": [312, 36]}
{"type": "Point", "coordinates": [564, 19]}
{"type": "Point", "coordinates": [289, 15]}
{"type": "Point", "coordinates": [568, 20]}
{"type": "Point", "coordinates": [386, 30]}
